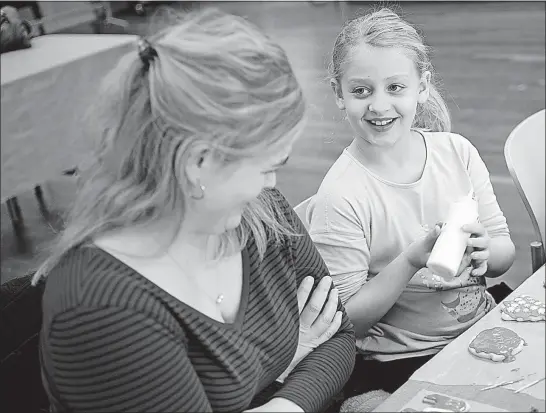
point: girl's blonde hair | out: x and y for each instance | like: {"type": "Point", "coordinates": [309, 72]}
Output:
{"type": "Point", "coordinates": [215, 79]}
{"type": "Point", "coordinates": [385, 28]}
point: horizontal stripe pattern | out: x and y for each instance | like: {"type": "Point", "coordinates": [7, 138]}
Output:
{"type": "Point", "coordinates": [113, 341]}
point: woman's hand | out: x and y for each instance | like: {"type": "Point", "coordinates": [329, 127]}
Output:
{"type": "Point", "coordinates": [316, 326]}
{"type": "Point", "coordinates": [479, 242]}
{"type": "Point", "coordinates": [418, 251]}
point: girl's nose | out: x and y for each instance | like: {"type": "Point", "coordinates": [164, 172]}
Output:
{"type": "Point", "coordinates": [379, 103]}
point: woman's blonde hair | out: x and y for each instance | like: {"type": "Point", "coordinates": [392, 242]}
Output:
{"type": "Point", "coordinates": [215, 79]}
{"type": "Point", "coordinates": [385, 28]}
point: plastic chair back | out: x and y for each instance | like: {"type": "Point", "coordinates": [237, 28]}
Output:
{"type": "Point", "coordinates": [525, 158]}
{"type": "Point", "coordinates": [301, 212]}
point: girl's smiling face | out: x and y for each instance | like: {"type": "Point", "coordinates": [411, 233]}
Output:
{"type": "Point", "coordinates": [379, 91]}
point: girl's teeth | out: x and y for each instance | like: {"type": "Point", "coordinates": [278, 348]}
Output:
{"type": "Point", "coordinates": [381, 123]}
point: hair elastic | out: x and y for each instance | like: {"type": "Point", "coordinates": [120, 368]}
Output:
{"type": "Point", "coordinates": [146, 51]}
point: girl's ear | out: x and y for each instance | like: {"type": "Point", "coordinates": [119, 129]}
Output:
{"type": "Point", "coordinates": [424, 87]}
{"type": "Point", "coordinates": [338, 94]}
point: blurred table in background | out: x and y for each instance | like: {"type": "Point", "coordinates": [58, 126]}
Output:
{"type": "Point", "coordinates": [46, 91]}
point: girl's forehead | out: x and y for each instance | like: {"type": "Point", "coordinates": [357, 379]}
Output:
{"type": "Point", "coordinates": [379, 62]}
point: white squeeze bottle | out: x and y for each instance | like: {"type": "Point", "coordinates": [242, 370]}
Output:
{"type": "Point", "coordinates": [448, 251]}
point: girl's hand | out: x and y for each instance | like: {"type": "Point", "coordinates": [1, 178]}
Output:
{"type": "Point", "coordinates": [318, 322]}
{"type": "Point", "coordinates": [479, 242]}
{"type": "Point", "coordinates": [418, 251]}
{"type": "Point", "coordinates": [465, 262]}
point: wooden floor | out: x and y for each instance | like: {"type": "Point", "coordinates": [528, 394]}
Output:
{"type": "Point", "coordinates": [489, 55]}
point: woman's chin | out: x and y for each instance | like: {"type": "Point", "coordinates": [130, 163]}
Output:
{"type": "Point", "coordinates": [231, 223]}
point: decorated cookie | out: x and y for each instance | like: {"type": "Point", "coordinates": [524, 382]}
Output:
{"type": "Point", "coordinates": [443, 403]}
{"type": "Point", "coordinates": [523, 308]}
{"type": "Point", "coordinates": [497, 344]}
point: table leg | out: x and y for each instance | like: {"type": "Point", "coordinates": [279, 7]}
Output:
{"type": "Point", "coordinates": [40, 198]}
{"type": "Point", "coordinates": [15, 213]}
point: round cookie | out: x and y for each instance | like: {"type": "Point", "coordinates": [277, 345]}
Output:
{"type": "Point", "coordinates": [498, 344]}
{"type": "Point", "coordinates": [523, 308]}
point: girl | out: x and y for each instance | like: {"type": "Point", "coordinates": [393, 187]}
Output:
{"type": "Point", "coordinates": [396, 180]}
{"type": "Point", "coordinates": [178, 282]}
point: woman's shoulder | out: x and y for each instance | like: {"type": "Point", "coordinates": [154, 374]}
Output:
{"type": "Point", "coordinates": [88, 277]}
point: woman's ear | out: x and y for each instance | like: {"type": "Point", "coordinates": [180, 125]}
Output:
{"type": "Point", "coordinates": [338, 94]}
{"type": "Point", "coordinates": [199, 163]}
{"type": "Point", "coordinates": [424, 87]}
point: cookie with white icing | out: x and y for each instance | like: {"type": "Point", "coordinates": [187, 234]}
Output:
{"type": "Point", "coordinates": [523, 308]}
{"type": "Point", "coordinates": [498, 344]}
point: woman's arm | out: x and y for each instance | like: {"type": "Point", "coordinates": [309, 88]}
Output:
{"type": "Point", "coordinates": [322, 373]}
{"type": "Point", "coordinates": [115, 359]}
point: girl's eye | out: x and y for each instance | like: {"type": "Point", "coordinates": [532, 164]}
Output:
{"type": "Point", "coordinates": [396, 88]}
{"type": "Point", "coordinates": [361, 91]}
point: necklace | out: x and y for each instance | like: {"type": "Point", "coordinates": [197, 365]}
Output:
{"type": "Point", "coordinates": [219, 298]}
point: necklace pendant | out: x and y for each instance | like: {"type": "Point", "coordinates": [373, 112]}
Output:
{"type": "Point", "coordinates": [220, 298]}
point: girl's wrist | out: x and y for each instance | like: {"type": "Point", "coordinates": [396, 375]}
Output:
{"type": "Point", "coordinates": [277, 404]}
{"type": "Point", "coordinates": [411, 266]}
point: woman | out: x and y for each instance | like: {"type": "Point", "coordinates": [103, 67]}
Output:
{"type": "Point", "coordinates": [174, 285]}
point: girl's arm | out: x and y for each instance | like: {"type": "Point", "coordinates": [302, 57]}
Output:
{"type": "Point", "coordinates": [501, 248]}
{"type": "Point", "coordinates": [345, 248]}
{"type": "Point", "coordinates": [376, 297]}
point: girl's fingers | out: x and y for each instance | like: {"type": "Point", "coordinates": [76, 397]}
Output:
{"type": "Point", "coordinates": [481, 255]}
{"type": "Point", "coordinates": [480, 243]}
{"type": "Point", "coordinates": [480, 270]}
{"type": "Point", "coordinates": [476, 228]}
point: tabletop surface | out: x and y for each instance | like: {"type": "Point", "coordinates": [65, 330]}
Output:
{"type": "Point", "coordinates": [46, 92]}
{"type": "Point", "coordinates": [52, 50]}
{"type": "Point", "coordinates": [456, 372]}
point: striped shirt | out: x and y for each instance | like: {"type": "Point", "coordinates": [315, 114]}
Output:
{"type": "Point", "coordinates": [113, 341]}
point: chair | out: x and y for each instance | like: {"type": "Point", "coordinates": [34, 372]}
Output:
{"type": "Point", "coordinates": [301, 212]}
{"type": "Point", "coordinates": [20, 324]}
{"type": "Point", "coordinates": [524, 154]}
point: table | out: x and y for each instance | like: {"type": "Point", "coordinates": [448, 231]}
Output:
{"type": "Point", "coordinates": [454, 371]}
{"type": "Point", "coordinates": [45, 92]}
